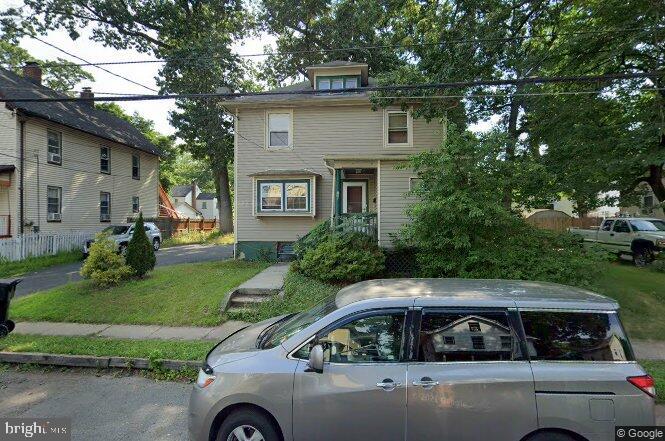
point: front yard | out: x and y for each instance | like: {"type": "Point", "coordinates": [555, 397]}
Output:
{"type": "Point", "coordinates": [178, 295]}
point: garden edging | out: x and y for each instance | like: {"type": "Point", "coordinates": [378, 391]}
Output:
{"type": "Point", "coordinates": [90, 361]}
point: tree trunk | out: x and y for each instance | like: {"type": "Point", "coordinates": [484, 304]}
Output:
{"type": "Point", "coordinates": [224, 198]}
{"type": "Point", "coordinates": [655, 181]}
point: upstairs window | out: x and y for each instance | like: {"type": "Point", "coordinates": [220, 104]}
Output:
{"type": "Point", "coordinates": [337, 83]}
{"type": "Point", "coordinates": [324, 84]}
{"type": "Point", "coordinates": [54, 149]}
{"type": "Point", "coordinates": [105, 160]}
{"type": "Point", "coordinates": [136, 167]}
{"type": "Point", "coordinates": [204, 205]}
{"type": "Point", "coordinates": [398, 128]}
{"type": "Point", "coordinates": [279, 130]}
{"type": "Point", "coordinates": [104, 207]}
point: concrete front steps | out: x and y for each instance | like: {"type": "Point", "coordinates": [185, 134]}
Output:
{"type": "Point", "coordinates": [262, 287]}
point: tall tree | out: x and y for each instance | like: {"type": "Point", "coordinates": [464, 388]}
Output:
{"type": "Point", "coordinates": [59, 74]}
{"type": "Point", "coordinates": [194, 37]}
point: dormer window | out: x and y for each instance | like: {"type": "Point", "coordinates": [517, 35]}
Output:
{"type": "Point", "coordinates": [337, 82]}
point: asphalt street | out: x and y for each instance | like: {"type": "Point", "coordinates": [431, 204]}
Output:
{"type": "Point", "coordinates": [59, 275]}
{"type": "Point", "coordinates": [101, 408]}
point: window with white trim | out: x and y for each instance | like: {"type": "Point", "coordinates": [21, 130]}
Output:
{"type": "Point", "coordinates": [53, 203]}
{"type": "Point", "coordinates": [283, 196]}
{"type": "Point", "coordinates": [136, 205]}
{"type": "Point", "coordinates": [54, 147]}
{"type": "Point", "coordinates": [397, 126]}
{"type": "Point", "coordinates": [104, 206]}
{"type": "Point", "coordinates": [136, 167]}
{"type": "Point", "coordinates": [279, 130]}
{"type": "Point", "coordinates": [105, 159]}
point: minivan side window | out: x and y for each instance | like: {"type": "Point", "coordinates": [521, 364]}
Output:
{"type": "Point", "coordinates": [373, 339]}
{"type": "Point", "coordinates": [467, 336]}
{"type": "Point", "coordinates": [575, 336]}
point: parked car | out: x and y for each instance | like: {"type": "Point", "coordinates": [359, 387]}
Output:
{"type": "Point", "coordinates": [412, 359]}
{"type": "Point", "coordinates": [641, 238]}
{"type": "Point", "coordinates": [121, 235]}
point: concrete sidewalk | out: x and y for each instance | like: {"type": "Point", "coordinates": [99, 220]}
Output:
{"type": "Point", "coordinates": [132, 332]}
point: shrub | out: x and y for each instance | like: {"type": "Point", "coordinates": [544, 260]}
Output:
{"type": "Point", "coordinates": [140, 255]}
{"type": "Point", "coordinates": [312, 239]}
{"type": "Point", "coordinates": [343, 257]}
{"type": "Point", "coordinates": [104, 266]}
{"type": "Point", "coordinates": [658, 265]}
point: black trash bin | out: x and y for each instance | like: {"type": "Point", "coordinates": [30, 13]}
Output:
{"type": "Point", "coordinates": [7, 289]}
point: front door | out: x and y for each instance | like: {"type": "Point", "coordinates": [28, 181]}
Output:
{"type": "Point", "coordinates": [354, 197]}
{"type": "Point", "coordinates": [361, 393]}
{"type": "Point", "coordinates": [470, 381]}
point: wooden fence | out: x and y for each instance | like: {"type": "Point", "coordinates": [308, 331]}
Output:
{"type": "Point", "coordinates": [172, 227]}
{"type": "Point", "coordinates": [564, 223]}
{"type": "Point", "coordinates": [41, 244]}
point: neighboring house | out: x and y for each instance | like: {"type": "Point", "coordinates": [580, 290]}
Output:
{"type": "Point", "coordinates": [303, 158]}
{"type": "Point", "coordinates": [185, 201]}
{"type": "Point", "coordinates": [67, 166]}
{"type": "Point", "coordinates": [206, 203]}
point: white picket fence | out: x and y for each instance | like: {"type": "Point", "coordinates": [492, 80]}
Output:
{"type": "Point", "coordinates": [34, 245]}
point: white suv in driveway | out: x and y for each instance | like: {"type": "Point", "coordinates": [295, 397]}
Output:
{"type": "Point", "coordinates": [122, 233]}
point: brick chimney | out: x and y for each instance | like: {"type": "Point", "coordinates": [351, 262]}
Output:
{"type": "Point", "coordinates": [86, 96]}
{"type": "Point", "coordinates": [194, 195]}
{"type": "Point", "coordinates": [32, 72]}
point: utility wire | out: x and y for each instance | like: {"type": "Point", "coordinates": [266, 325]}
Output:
{"type": "Point", "coordinates": [393, 88]}
{"type": "Point", "coordinates": [87, 63]}
{"type": "Point", "coordinates": [364, 48]}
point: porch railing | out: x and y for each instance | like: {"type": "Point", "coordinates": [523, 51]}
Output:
{"type": "Point", "coordinates": [365, 223]}
{"type": "Point", "coordinates": [5, 226]}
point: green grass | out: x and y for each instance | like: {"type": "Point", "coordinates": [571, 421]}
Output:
{"type": "Point", "coordinates": [97, 346]}
{"type": "Point", "coordinates": [15, 269]}
{"type": "Point", "coordinates": [641, 295]}
{"type": "Point", "coordinates": [201, 237]}
{"type": "Point", "coordinates": [300, 293]}
{"type": "Point", "coordinates": [657, 370]}
{"type": "Point", "coordinates": [178, 295]}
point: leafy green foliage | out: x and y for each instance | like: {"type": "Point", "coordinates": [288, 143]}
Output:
{"type": "Point", "coordinates": [104, 266]}
{"type": "Point", "coordinates": [343, 257]}
{"type": "Point", "coordinates": [140, 255]}
{"type": "Point", "coordinates": [312, 239]}
{"type": "Point", "coordinates": [461, 228]}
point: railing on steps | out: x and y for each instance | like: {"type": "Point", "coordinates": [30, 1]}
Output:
{"type": "Point", "coordinates": [365, 223]}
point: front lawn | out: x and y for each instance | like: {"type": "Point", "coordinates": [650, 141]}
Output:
{"type": "Point", "coordinates": [641, 295]}
{"type": "Point", "coordinates": [178, 295]}
{"type": "Point", "coordinates": [15, 269]}
{"type": "Point", "coordinates": [657, 370]}
{"type": "Point", "coordinates": [101, 347]}
{"type": "Point", "coordinates": [199, 237]}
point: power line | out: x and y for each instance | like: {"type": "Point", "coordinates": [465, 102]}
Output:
{"type": "Point", "coordinates": [363, 48]}
{"type": "Point", "coordinates": [87, 63]}
{"type": "Point", "coordinates": [393, 88]}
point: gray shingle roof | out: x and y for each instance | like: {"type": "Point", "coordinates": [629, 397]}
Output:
{"type": "Point", "coordinates": [180, 191]}
{"type": "Point", "coordinates": [206, 196]}
{"type": "Point", "coordinates": [78, 116]}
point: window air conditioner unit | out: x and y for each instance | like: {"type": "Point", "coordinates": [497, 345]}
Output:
{"type": "Point", "coordinates": [54, 216]}
{"type": "Point", "coordinates": [54, 157]}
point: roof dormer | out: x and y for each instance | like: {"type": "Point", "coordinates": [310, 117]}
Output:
{"type": "Point", "coordinates": [337, 75]}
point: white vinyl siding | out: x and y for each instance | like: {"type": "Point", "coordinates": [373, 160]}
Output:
{"type": "Point", "coordinates": [394, 185]}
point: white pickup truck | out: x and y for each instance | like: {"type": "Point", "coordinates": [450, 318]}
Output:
{"type": "Point", "coordinates": [641, 238]}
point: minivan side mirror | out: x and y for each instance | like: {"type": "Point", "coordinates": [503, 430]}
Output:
{"type": "Point", "coordinates": [316, 359]}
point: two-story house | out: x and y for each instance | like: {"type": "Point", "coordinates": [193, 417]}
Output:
{"type": "Point", "coordinates": [308, 152]}
{"type": "Point", "coordinates": [67, 166]}
{"type": "Point", "coordinates": [191, 202]}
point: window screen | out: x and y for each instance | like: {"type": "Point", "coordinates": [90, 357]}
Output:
{"type": "Point", "coordinates": [279, 126]}
{"type": "Point", "coordinates": [398, 131]}
{"type": "Point", "coordinates": [575, 336]}
{"type": "Point", "coordinates": [54, 200]}
{"type": "Point", "coordinates": [466, 336]}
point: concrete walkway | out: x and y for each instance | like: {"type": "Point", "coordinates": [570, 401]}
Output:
{"type": "Point", "coordinates": [270, 279]}
{"type": "Point", "coordinates": [133, 332]}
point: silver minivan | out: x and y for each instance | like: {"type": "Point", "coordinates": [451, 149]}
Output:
{"type": "Point", "coordinates": [428, 359]}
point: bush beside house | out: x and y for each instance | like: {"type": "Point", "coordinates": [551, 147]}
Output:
{"type": "Point", "coordinates": [140, 254]}
{"type": "Point", "coordinates": [104, 266]}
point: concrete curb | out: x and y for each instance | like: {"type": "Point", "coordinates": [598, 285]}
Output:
{"type": "Point", "coordinates": [90, 361]}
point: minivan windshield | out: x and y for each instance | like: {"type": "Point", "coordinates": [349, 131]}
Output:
{"type": "Point", "coordinates": [116, 230]}
{"type": "Point", "coordinates": [298, 322]}
{"type": "Point", "coordinates": [647, 225]}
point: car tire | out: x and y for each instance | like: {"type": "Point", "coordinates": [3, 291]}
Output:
{"type": "Point", "coordinates": [642, 257]}
{"type": "Point", "coordinates": [122, 249]}
{"type": "Point", "coordinates": [156, 243]}
{"type": "Point", "coordinates": [241, 425]}
{"type": "Point", "coordinates": [551, 436]}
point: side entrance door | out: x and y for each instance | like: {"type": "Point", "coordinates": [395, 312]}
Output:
{"type": "Point", "coordinates": [361, 393]}
{"type": "Point", "coordinates": [354, 196]}
{"type": "Point", "coordinates": [470, 380]}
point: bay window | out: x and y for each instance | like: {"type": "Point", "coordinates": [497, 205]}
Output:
{"type": "Point", "coordinates": [283, 196]}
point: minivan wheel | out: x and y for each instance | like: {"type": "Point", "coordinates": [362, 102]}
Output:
{"type": "Point", "coordinates": [155, 244]}
{"type": "Point", "coordinates": [246, 425]}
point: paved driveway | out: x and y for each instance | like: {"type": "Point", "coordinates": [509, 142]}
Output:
{"type": "Point", "coordinates": [101, 408]}
{"type": "Point", "coordinates": [59, 275]}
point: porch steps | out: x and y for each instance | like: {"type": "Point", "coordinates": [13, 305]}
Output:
{"type": "Point", "coordinates": [260, 288]}
{"type": "Point", "coordinates": [244, 302]}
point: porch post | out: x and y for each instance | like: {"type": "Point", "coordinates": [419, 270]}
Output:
{"type": "Point", "coordinates": [338, 192]}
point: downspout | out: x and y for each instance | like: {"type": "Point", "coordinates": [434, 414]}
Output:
{"type": "Point", "coordinates": [21, 210]}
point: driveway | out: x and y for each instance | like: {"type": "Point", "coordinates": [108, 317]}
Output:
{"type": "Point", "coordinates": [59, 275]}
{"type": "Point", "coordinates": [104, 408]}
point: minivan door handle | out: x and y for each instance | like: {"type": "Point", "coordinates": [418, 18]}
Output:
{"type": "Point", "coordinates": [426, 383]}
{"type": "Point", "coordinates": [388, 385]}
